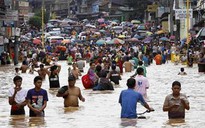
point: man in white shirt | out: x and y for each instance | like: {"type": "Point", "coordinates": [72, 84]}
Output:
{"type": "Point", "coordinates": [17, 97]}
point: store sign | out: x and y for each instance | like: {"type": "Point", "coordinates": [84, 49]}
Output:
{"type": "Point", "coordinates": [10, 16]}
{"type": "Point", "coordinates": [182, 13]}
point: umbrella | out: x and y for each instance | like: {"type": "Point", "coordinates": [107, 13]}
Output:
{"type": "Point", "coordinates": [141, 27]}
{"type": "Point", "coordinates": [132, 40]}
{"type": "Point", "coordinates": [103, 25]}
{"type": "Point", "coordinates": [172, 37]}
{"type": "Point", "coordinates": [149, 33]}
{"type": "Point", "coordinates": [121, 36]}
{"type": "Point", "coordinates": [36, 41]}
{"type": "Point", "coordinates": [97, 33]}
{"type": "Point", "coordinates": [66, 41]}
{"type": "Point", "coordinates": [100, 42]}
{"type": "Point", "coordinates": [138, 37]}
{"type": "Point", "coordinates": [117, 41]}
{"type": "Point", "coordinates": [147, 40]}
{"type": "Point", "coordinates": [164, 39]}
{"type": "Point", "coordinates": [85, 20]}
{"type": "Point", "coordinates": [114, 23]}
{"type": "Point", "coordinates": [101, 20]}
{"type": "Point", "coordinates": [135, 22]}
{"type": "Point", "coordinates": [90, 26]}
{"type": "Point", "coordinates": [160, 32]}
{"type": "Point", "coordinates": [102, 30]}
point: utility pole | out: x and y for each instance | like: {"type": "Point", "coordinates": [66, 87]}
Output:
{"type": "Point", "coordinates": [16, 43]}
{"type": "Point", "coordinates": [42, 20]}
{"type": "Point", "coordinates": [177, 21]}
{"type": "Point", "coordinates": [187, 19]}
{"type": "Point", "coordinates": [171, 16]}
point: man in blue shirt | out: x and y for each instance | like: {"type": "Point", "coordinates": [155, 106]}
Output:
{"type": "Point", "coordinates": [128, 100]}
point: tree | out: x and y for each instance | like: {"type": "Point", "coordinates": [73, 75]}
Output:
{"type": "Point", "coordinates": [39, 14]}
{"type": "Point", "coordinates": [35, 21]}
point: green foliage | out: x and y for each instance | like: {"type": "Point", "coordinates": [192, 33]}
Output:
{"type": "Point", "coordinates": [35, 21]}
{"type": "Point", "coordinates": [39, 14]}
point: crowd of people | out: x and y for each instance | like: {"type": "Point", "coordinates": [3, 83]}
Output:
{"type": "Point", "coordinates": [108, 62]}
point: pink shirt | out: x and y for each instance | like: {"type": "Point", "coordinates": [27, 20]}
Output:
{"type": "Point", "coordinates": [142, 84]}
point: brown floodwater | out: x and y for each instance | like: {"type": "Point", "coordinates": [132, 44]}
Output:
{"type": "Point", "coordinates": [101, 108]}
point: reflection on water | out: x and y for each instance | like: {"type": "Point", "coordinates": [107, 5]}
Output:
{"type": "Point", "coordinates": [37, 122]}
{"type": "Point", "coordinates": [128, 122]}
{"type": "Point", "coordinates": [101, 108]}
{"type": "Point", "coordinates": [18, 121]}
{"type": "Point", "coordinates": [71, 109]}
{"type": "Point", "coordinates": [25, 122]}
{"type": "Point", "coordinates": [176, 122]}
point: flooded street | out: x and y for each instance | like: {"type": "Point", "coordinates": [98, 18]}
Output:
{"type": "Point", "coordinates": [101, 109]}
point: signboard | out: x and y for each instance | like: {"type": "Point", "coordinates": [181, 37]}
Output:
{"type": "Point", "coordinates": [17, 31]}
{"type": "Point", "coordinates": [182, 13]}
{"type": "Point", "coordinates": [10, 16]}
{"type": "Point", "coordinates": [23, 8]}
{"type": "Point", "coordinates": [152, 8]}
{"type": "Point", "coordinates": [23, 4]}
{"type": "Point", "coordinates": [95, 8]}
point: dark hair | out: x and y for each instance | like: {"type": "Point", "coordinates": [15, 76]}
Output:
{"type": "Point", "coordinates": [71, 77]}
{"type": "Point", "coordinates": [17, 78]}
{"type": "Point", "coordinates": [131, 83]}
{"type": "Point", "coordinates": [98, 68]}
{"type": "Point", "coordinates": [182, 69]}
{"type": "Point", "coordinates": [37, 78]}
{"type": "Point", "coordinates": [140, 71]}
{"type": "Point", "coordinates": [41, 65]}
{"type": "Point", "coordinates": [176, 83]}
{"type": "Point", "coordinates": [16, 69]}
{"type": "Point", "coordinates": [113, 67]}
{"type": "Point", "coordinates": [54, 68]}
{"type": "Point", "coordinates": [91, 63]}
{"type": "Point", "coordinates": [140, 63]}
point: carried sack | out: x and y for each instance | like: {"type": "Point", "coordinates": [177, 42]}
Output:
{"type": "Point", "coordinates": [87, 83]}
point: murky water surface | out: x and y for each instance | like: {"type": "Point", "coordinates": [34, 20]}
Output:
{"type": "Point", "coordinates": [101, 109]}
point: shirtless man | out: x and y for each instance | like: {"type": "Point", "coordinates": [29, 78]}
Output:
{"type": "Point", "coordinates": [75, 71]}
{"type": "Point", "coordinates": [42, 71]}
{"type": "Point", "coordinates": [24, 67]}
{"type": "Point", "coordinates": [72, 94]}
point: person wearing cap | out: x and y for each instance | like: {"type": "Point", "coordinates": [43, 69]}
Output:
{"type": "Point", "coordinates": [71, 94]}
{"type": "Point", "coordinates": [54, 76]}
